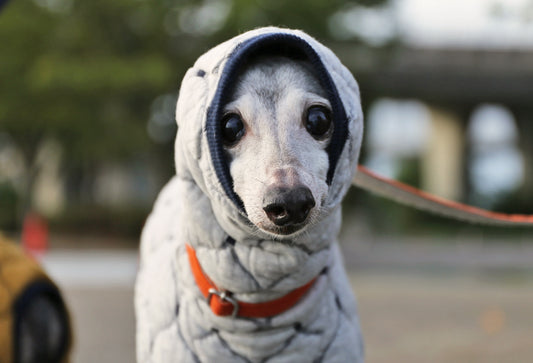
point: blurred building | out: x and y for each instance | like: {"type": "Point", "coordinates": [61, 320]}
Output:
{"type": "Point", "coordinates": [457, 88]}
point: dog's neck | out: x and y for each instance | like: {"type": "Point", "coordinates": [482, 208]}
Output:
{"type": "Point", "coordinates": [241, 252]}
{"type": "Point", "coordinates": [257, 269]}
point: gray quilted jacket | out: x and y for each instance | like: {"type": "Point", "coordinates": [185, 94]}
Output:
{"type": "Point", "coordinates": [199, 207]}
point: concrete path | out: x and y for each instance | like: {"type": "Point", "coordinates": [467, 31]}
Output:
{"type": "Point", "coordinates": [98, 288]}
{"type": "Point", "coordinates": [418, 302]}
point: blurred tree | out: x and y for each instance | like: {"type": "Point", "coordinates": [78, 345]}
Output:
{"type": "Point", "coordinates": [84, 73]}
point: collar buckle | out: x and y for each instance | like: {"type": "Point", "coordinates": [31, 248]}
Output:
{"type": "Point", "coordinates": [224, 297]}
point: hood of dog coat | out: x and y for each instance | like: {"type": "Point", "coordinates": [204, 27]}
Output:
{"type": "Point", "coordinates": [205, 90]}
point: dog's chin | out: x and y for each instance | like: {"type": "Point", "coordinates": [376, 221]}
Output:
{"type": "Point", "coordinates": [282, 232]}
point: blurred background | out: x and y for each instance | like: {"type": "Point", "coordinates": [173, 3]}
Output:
{"type": "Point", "coordinates": [87, 96]}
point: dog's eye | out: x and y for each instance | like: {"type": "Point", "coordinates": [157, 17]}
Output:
{"type": "Point", "coordinates": [318, 121]}
{"type": "Point", "coordinates": [232, 129]}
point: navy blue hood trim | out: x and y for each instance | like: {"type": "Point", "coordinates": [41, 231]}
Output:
{"type": "Point", "coordinates": [270, 44]}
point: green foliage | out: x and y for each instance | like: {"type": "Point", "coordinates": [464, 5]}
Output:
{"type": "Point", "coordinates": [81, 77]}
{"type": "Point", "coordinates": [85, 73]}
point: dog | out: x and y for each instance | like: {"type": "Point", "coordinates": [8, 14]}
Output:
{"type": "Point", "coordinates": [239, 258]}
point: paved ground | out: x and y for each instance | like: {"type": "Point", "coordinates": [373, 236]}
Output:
{"type": "Point", "coordinates": [418, 303]}
{"type": "Point", "coordinates": [436, 318]}
{"type": "Point", "coordinates": [104, 324]}
{"type": "Point", "coordinates": [98, 288]}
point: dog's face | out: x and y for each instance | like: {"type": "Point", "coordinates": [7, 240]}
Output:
{"type": "Point", "coordinates": [275, 132]}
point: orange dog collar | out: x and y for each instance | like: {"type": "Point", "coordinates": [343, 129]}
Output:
{"type": "Point", "coordinates": [222, 303]}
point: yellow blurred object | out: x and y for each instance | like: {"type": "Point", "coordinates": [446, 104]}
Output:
{"type": "Point", "coordinates": [26, 292]}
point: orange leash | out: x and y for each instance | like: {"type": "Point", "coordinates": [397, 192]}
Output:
{"type": "Point", "coordinates": [223, 304]}
{"type": "Point", "coordinates": [411, 196]}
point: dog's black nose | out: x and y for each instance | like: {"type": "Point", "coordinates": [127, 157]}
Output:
{"type": "Point", "coordinates": [286, 206]}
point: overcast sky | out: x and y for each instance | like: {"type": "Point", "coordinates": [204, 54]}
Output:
{"type": "Point", "coordinates": [486, 23]}
{"type": "Point", "coordinates": [442, 23]}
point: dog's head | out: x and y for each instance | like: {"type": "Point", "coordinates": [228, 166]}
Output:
{"type": "Point", "coordinates": [281, 126]}
{"type": "Point", "coordinates": [275, 132]}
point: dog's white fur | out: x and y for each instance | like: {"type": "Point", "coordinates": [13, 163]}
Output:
{"type": "Point", "coordinates": [174, 322]}
{"type": "Point", "coordinates": [272, 97]}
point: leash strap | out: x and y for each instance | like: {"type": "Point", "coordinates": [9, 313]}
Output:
{"type": "Point", "coordinates": [222, 303]}
{"type": "Point", "coordinates": [408, 195]}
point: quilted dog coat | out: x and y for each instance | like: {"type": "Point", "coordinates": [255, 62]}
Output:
{"type": "Point", "coordinates": [199, 211]}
